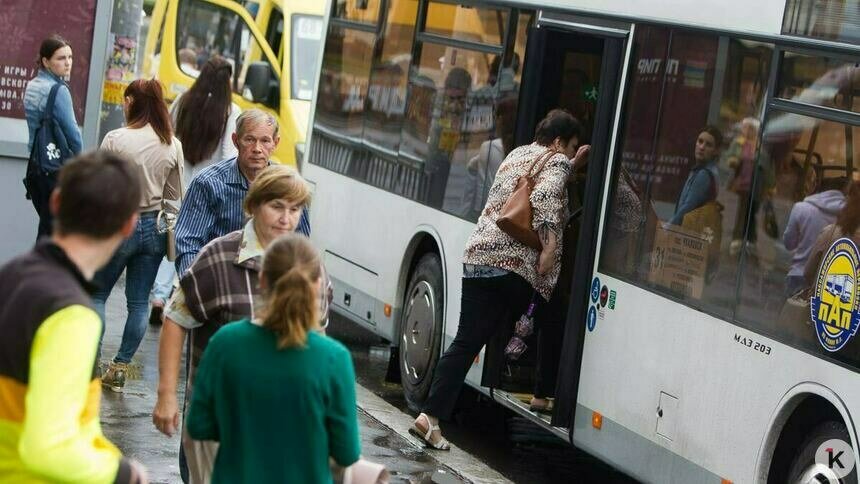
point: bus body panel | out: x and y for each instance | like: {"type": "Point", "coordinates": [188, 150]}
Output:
{"type": "Point", "coordinates": [716, 398]}
{"type": "Point", "coordinates": [374, 251]}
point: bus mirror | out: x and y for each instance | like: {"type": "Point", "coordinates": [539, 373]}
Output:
{"type": "Point", "coordinates": [258, 79]}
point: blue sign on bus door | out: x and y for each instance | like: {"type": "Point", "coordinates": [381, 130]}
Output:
{"type": "Point", "coordinates": [595, 289]}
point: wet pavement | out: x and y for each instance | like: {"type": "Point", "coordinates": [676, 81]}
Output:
{"type": "Point", "coordinates": [126, 418]}
{"type": "Point", "coordinates": [510, 445]}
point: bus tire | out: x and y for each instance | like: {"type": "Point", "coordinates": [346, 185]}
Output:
{"type": "Point", "coordinates": [804, 468]}
{"type": "Point", "coordinates": [421, 327]}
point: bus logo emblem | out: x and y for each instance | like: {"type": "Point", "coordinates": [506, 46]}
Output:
{"type": "Point", "coordinates": [835, 305]}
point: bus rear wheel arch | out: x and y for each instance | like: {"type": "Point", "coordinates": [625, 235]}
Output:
{"type": "Point", "coordinates": [814, 421]}
{"type": "Point", "coordinates": [421, 327]}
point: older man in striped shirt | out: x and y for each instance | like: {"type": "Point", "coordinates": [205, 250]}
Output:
{"type": "Point", "coordinates": [213, 204]}
{"type": "Point", "coordinates": [213, 208]}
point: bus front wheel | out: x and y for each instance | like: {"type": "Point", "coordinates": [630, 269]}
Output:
{"type": "Point", "coordinates": [806, 468]}
{"type": "Point", "coordinates": [421, 329]}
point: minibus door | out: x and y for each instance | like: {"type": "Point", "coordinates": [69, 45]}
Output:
{"type": "Point", "coordinates": [578, 69]}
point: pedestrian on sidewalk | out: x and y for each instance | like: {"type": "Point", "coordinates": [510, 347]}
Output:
{"type": "Point", "coordinates": [276, 394]}
{"type": "Point", "coordinates": [55, 67]}
{"type": "Point", "coordinates": [148, 140]}
{"type": "Point", "coordinates": [221, 286]}
{"type": "Point", "coordinates": [213, 203]}
{"type": "Point", "coordinates": [205, 120]}
{"type": "Point", "coordinates": [49, 416]}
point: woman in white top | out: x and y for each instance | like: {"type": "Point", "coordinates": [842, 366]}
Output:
{"type": "Point", "coordinates": [148, 140]}
{"type": "Point", "coordinates": [205, 120]}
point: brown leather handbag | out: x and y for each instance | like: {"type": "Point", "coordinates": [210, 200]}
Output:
{"type": "Point", "coordinates": [515, 218]}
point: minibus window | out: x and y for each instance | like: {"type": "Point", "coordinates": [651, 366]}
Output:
{"type": "Point", "coordinates": [306, 38]}
{"type": "Point", "coordinates": [275, 33]}
{"type": "Point", "coordinates": [204, 30]}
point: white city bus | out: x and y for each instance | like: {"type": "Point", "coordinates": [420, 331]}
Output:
{"type": "Point", "coordinates": [682, 359]}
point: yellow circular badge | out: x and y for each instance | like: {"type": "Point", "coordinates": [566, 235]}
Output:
{"type": "Point", "coordinates": [835, 306]}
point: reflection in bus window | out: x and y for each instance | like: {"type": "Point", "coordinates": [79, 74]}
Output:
{"type": "Point", "coordinates": [812, 162]}
{"type": "Point", "coordinates": [366, 11]}
{"type": "Point", "coordinates": [673, 216]}
{"type": "Point", "coordinates": [204, 30]}
{"type": "Point", "coordinates": [823, 19]}
{"type": "Point", "coordinates": [482, 25]}
{"type": "Point", "coordinates": [343, 81]}
{"type": "Point", "coordinates": [820, 81]}
{"type": "Point", "coordinates": [483, 166]}
{"type": "Point", "coordinates": [390, 75]}
{"type": "Point", "coordinates": [433, 128]}
{"type": "Point", "coordinates": [449, 114]}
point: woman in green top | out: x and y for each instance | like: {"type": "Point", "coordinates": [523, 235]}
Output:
{"type": "Point", "coordinates": [278, 395]}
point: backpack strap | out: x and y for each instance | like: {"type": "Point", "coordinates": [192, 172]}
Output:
{"type": "Point", "coordinates": [52, 97]}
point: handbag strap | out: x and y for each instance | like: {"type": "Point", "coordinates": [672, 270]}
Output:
{"type": "Point", "coordinates": [543, 158]}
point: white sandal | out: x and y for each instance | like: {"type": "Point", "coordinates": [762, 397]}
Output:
{"type": "Point", "coordinates": [441, 444]}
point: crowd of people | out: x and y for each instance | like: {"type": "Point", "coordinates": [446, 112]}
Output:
{"type": "Point", "coordinates": [243, 262]}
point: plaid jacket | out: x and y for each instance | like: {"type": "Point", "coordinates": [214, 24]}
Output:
{"type": "Point", "coordinates": [221, 286]}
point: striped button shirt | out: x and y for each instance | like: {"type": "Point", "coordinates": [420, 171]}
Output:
{"type": "Point", "coordinates": [212, 208]}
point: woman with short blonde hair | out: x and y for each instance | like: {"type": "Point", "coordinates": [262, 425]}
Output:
{"type": "Point", "coordinates": [223, 285]}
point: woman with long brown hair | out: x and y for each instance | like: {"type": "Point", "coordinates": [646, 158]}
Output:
{"type": "Point", "coordinates": [148, 140]}
{"type": "Point", "coordinates": [205, 117]}
{"type": "Point", "coordinates": [205, 120]}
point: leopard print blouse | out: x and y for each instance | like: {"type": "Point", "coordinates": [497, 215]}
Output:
{"type": "Point", "coordinates": [489, 246]}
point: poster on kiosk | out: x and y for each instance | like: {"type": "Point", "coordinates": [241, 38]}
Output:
{"type": "Point", "coordinates": [25, 23]}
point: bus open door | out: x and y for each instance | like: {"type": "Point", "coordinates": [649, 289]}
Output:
{"type": "Point", "coordinates": [577, 68]}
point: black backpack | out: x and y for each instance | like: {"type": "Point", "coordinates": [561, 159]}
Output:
{"type": "Point", "coordinates": [50, 148]}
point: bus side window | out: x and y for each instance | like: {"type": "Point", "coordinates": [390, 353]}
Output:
{"type": "Point", "coordinates": [386, 95]}
{"type": "Point", "coordinates": [458, 104]}
{"type": "Point", "coordinates": [343, 81]}
{"type": "Point", "coordinates": [681, 205]}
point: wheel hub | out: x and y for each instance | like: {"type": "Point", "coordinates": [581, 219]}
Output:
{"type": "Point", "coordinates": [418, 332]}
